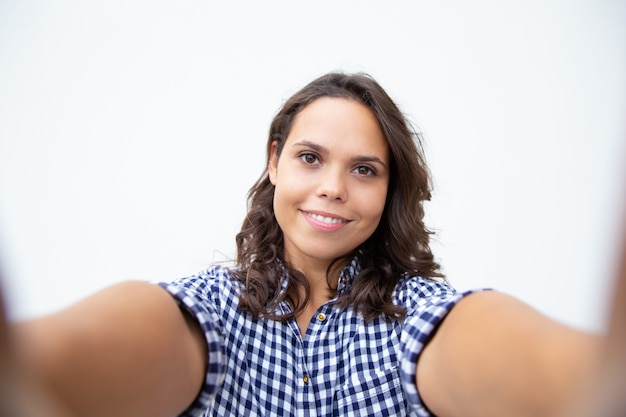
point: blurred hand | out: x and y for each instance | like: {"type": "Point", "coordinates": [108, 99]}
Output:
{"type": "Point", "coordinates": [20, 396]}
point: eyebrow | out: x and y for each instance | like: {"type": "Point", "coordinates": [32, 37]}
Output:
{"type": "Point", "coordinates": [324, 150]}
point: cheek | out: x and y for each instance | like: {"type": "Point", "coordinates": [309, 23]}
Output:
{"type": "Point", "coordinates": [284, 199]}
{"type": "Point", "coordinates": [372, 216]}
{"type": "Point", "coordinates": [279, 212]}
{"type": "Point", "coordinates": [290, 186]}
{"type": "Point", "coordinates": [374, 203]}
{"type": "Point", "coordinates": [277, 201]}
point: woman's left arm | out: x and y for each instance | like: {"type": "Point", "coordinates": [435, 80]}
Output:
{"type": "Point", "coordinates": [493, 355]}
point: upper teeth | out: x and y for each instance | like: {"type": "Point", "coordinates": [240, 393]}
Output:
{"type": "Point", "coordinates": [327, 220]}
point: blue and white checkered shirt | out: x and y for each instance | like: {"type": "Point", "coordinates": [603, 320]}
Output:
{"type": "Point", "coordinates": [343, 366]}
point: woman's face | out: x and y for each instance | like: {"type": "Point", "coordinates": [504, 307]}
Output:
{"type": "Point", "coordinates": [330, 181]}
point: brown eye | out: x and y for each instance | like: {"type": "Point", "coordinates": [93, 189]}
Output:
{"type": "Point", "coordinates": [308, 158]}
{"type": "Point", "coordinates": [364, 170]}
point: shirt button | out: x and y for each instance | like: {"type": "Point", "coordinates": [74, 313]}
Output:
{"type": "Point", "coordinates": [343, 280]}
{"type": "Point", "coordinates": [305, 378]}
{"type": "Point", "coordinates": [321, 317]}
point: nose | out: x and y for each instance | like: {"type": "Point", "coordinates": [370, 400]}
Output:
{"type": "Point", "coordinates": [333, 185]}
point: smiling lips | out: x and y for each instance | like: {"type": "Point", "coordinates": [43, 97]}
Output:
{"type": "Point", "coordinates": [326, 223]}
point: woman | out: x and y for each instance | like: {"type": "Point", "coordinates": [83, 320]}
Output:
{"type": "Point", "coordinates": [334, 307]}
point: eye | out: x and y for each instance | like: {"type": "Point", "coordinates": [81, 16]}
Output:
{"type": "Point", "coordinates": [364, 170]}
{"type": "Point", "coordinates": [309, 158]}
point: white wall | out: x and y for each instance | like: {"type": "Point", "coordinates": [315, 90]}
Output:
{"type": "Point", "coordinates": [130, 132]}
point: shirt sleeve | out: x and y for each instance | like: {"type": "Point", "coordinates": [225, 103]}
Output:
{"type": "Point", "coordinates": [419, 327]}
{"type": "Point", "coordinates": [194, 295]}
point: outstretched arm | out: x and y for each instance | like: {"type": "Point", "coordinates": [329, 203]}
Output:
{"type": "Point", "coordinates": [606, 391]}
{"type": "Point", "coordinates": [125, 351]}
{"type": "Point", "coordinates": [494, 356]}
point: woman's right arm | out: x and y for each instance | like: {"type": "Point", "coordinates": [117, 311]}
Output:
{"type": "Point", "coordinates": [128, 350]}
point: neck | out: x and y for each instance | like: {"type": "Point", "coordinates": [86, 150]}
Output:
{"type": "Point", "coordinates": [322, 280]}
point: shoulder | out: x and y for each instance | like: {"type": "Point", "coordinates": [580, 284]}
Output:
{"type": "Point", "coordinates": [219, 275]}
{"type": "Point", "coordinates": [216, 285]}
{"type": "Point", "coordinates": [413, 292]}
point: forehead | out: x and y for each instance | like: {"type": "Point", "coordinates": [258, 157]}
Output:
{"type": "Point", "coordinates": [339, 121]}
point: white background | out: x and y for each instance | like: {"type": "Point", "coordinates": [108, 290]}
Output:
{"type": "Point", "coordinates": [130, 132]}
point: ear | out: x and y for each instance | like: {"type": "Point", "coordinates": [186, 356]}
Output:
{"type": "Point", "coordinates": [272, 164]}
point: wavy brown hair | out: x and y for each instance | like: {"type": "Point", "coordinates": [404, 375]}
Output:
{"type": "Point", "coordinates": [399, 245]}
